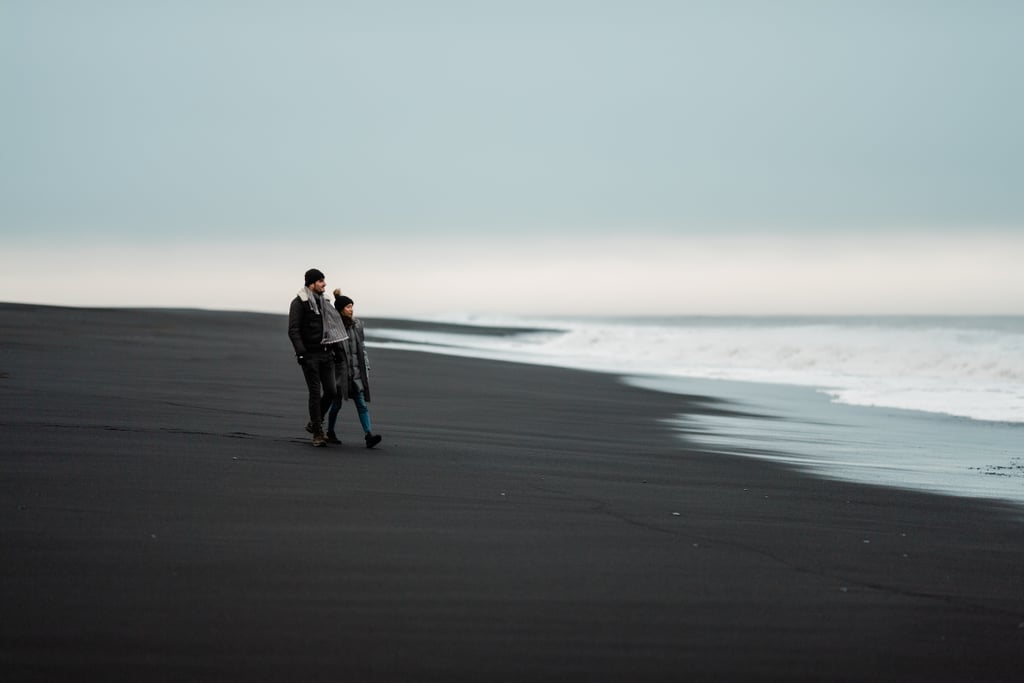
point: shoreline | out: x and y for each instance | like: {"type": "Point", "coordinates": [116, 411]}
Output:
{"type": "Point", "coordinates": [811, 430]}
{"type": "Point", "coordinates": [169, 519]}
{"type": "Point", "coordinates": [896, 448]}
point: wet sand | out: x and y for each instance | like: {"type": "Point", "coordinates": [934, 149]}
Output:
{"type": "Point", "coordinates": [165, 518]}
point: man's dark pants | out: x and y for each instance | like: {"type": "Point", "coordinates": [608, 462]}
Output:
{"type": "Point", "coordinates": [318, 369]}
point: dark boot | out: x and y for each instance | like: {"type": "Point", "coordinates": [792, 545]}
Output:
{"type": "Point", "coordinates": [333, 438]}
{"type": "Point", "coordinates": [318, 437]}
{"type": "Point", "coordinates": [372, 440]}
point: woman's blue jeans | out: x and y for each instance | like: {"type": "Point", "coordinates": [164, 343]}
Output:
{"type": "Point", "coordinates": [361, 408]}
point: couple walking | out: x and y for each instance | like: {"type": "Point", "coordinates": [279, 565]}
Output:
{"type": "Point", "coordinates": [330, 348]}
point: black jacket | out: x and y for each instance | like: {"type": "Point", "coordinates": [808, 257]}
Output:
{"type": "Point", "coordinates": [305, 328]}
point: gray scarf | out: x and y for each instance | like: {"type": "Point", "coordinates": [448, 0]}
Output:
{"type": "Point", "coordinates": [334, 329]}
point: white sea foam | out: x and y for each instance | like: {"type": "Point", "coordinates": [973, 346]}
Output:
{"type": "Point", "coordinates": [964, 366]}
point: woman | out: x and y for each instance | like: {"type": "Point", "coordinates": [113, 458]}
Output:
{"type": "Point", "coordinates": [353, 375]}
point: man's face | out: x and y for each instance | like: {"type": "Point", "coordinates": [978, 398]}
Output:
{"type": "Point", "coordinates": [319, 286]}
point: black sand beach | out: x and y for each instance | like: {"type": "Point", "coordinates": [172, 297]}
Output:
{"type": "Point", "coordinates": [165, 519]}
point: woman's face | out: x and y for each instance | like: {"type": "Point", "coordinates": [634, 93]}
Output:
{"type": "Point", "coordinates": [348, 310]}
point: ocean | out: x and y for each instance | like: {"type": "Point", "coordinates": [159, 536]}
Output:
{"type": "Point", "coordinates": [933, 403]}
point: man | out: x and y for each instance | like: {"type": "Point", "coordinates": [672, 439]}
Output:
{"type": "Point", "coordinates": [315, 330]}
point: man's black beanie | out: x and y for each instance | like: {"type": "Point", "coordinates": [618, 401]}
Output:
{"type": "Point", "coordinates": [313, 275]}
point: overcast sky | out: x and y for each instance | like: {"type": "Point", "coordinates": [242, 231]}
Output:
{"type": "Point", "coordinates": [557, 156]}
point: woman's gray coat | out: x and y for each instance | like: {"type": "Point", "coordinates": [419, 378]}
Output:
{"type": "Point", "coordinates": [357, 367]}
